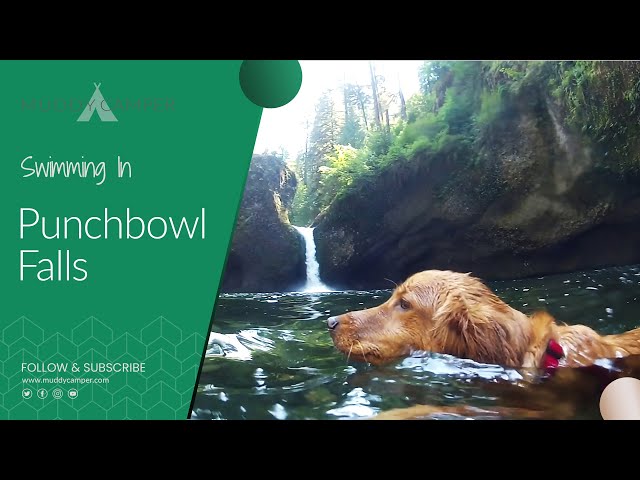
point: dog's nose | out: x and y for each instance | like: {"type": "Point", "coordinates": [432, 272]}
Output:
{"type": "Point", "coordinates": [332, 322]}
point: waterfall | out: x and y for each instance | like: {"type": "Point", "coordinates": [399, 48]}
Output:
{"type": "Point", "coordinates": [314, 284]}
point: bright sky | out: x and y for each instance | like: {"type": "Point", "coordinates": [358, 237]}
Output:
{"type": "Point", "coordinates": [285, 126]}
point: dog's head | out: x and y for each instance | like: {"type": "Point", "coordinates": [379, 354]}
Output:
{"type": "Point", "coordinates": [437, 311]}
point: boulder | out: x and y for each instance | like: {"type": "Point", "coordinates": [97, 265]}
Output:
{"type": "Point", "coordinates": [267, 253]}
{"type": "Point", "coordinates": [543, 199]}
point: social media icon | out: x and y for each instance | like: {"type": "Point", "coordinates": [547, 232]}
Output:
{"type": "Point", "coordinates": [42, 393]}
{"type": "Point", "coordinates": [73, 393]}
{"type": "Point", "coordinates": [27, 393]}
{"type": "Point", "coordinates": [57, 393]}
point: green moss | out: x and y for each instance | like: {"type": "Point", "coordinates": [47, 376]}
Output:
{"type": "Point", "coordinates": [601, 100]}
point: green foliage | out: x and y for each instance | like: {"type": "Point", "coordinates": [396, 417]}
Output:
{"type": "Point", "coordinates": [435, 77]}
{"type": "Point", "coordinates": [343, 167]}
{"type": "Point", "coordinates": [418, 106]}
{"type": "Point", "coordinates": [601, 99]}
{"type": "Point", "coordinates": [302, 210]}
{"type": "Point", "coordinates": [355, 103]}
{"type": "Point", "coordinates": [321, 142]}
{"type": "Point", "coordinates": [378, 143]}
{"type": "Point", "coordinates": [491, 106]}
{"type": "Point", "coordinates": [463, 105]}
{"type": "Point", "coordinates": [424, 128]}
{"type": "Point", "coordinates": [351, 133]}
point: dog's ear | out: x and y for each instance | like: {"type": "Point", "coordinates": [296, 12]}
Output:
{"type": "Point", "coordinates": [481, 330]}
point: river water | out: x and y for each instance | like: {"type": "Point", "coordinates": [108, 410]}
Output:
{"type": "Point", "coordinates": [286, 367]}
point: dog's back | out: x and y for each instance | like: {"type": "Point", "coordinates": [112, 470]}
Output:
{"type": "Point", "coordinates": [583, 346]}
{"type": "Point", "coordinates": [627, 343]}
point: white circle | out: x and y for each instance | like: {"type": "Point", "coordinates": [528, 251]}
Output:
{"type": "Point", "coordinates": [621, 400]}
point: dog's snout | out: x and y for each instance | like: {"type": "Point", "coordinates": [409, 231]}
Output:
{"type": "Point", "coordinates": [332, 323]}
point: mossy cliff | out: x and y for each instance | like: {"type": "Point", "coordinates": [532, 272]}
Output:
{"type": "Point", "coordinates": [267, 253]}
{"type": "Point", "coordinates": [511, 169]}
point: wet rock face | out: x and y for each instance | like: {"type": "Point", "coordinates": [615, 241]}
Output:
{"type": "Point", "coordinates": [267, 253]}
{"type": "Point", "coordinates": [542, 201]}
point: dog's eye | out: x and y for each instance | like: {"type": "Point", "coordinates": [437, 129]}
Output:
{"type": "Point", "coordinates": [404, 304]}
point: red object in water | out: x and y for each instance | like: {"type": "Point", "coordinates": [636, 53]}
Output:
{"type": "Point", "coordinates": [552, 355]}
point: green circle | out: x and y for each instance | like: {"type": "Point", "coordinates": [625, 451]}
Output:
{"type": "Point", "coordinates": [270, 83]}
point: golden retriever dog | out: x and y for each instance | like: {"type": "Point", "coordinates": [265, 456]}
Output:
{"type": "Point", "coordinates": [455, 313]}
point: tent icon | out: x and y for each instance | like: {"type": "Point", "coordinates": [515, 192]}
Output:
{"type": "Point", "coordinates": [97, 103]}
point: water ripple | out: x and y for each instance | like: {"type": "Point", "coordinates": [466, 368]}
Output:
{"type": "Point", "coordinates": [270, 356]}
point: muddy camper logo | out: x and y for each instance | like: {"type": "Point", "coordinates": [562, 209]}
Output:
{"type": "Point", "coordinates": [98, 104]}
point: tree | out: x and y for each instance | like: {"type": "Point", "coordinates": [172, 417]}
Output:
{"type": "Point", "coordinates": [435, 78]}
{"type": "Point", "coordinates": [343, 166]}
{"type": "Point", "coordinates": [323, 136]}
{"type": "Point", "coordinates": [361, 100]}
{"type": "Point", "coordinates": [403, 105]}
{"type": "Point", "coordinates": [351, 133]}
{"type": "Point", "coordinates": [376, 99]}
{"type": "Point", "coordinates": [322, 139]}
